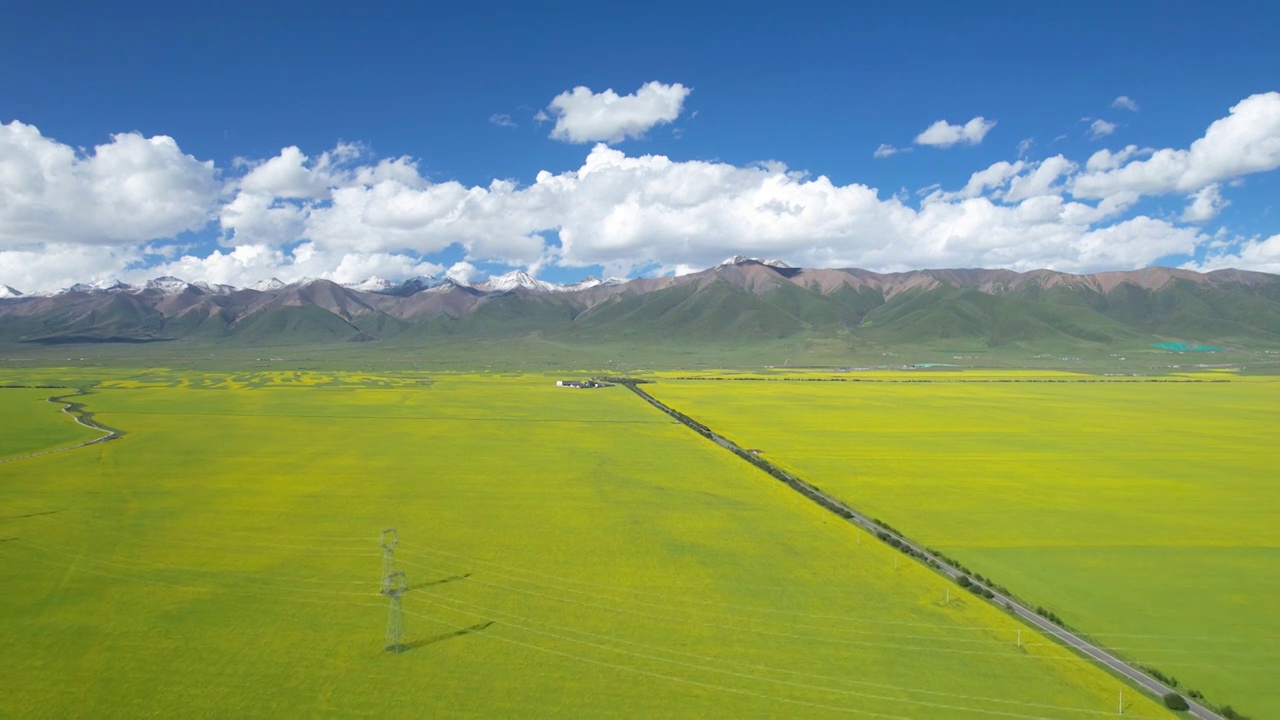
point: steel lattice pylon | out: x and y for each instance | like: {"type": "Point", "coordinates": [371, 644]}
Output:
{"type": "Point", "coordinates": [393, 586]}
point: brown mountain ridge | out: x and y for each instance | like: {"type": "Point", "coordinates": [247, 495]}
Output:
{"type": "Point", "coordinates": [741, 300]}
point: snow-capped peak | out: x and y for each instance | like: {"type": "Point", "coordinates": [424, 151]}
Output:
{"type": "Point", "coordinates": [372, 284]}
{"type": "Point", "coordinates": [168, 285]}
{"type": "Point", "coordinates": [583, 284]}
{"type": "Point", "coordinates": [8, 292]}
{"type": "Point", "coordinates": [268, 285]}
{"type": "Point", "coordinates": [100, 286]}
{"type": "Point", "coordinates": [740, 259]}
{"type": "Point", "coordinates": [419, 283]}
{"type": "Point", "coordinates": [412, 286]}
{"type": "Point", "coordinates": [449, 283]}
{"type": "Point", "coordinates": [214, 288]}
{"type": "Point", "coordinates": [516, 279]}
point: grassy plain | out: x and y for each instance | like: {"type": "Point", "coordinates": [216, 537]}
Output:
{"type": "Point", "coordinates": [28, 424]}
{"type": "Point", "coordinates": [568, 553]}
{"type": "Point", "coordinates": [537, 353]}
{"type": "Point", "coordinates": [1144, 513]}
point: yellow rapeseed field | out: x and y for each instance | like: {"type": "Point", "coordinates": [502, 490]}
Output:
{"type": "Point", "coordinates": [568, 553]}
{"type": "Point", "coordinates": [1144, 512]}
{"type": "Point", "coordinates": [29, 424]}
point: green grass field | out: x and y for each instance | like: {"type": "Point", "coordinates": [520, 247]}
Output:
{"type": "Point", "coordinates": [29, 424]}
{"type": "Point", "coordinates": [1145, 514]}
{"type": "Point", "coordinates": [568, 553]}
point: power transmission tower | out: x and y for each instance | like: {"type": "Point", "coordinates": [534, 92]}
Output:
{"type": "Point", "coordinates": [393, 586]}
{"type": "Point", "coordinates": [388, 544]}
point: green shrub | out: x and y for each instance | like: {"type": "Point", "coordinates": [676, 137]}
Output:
{"type": "Point", "coordinates": [1174, 701]}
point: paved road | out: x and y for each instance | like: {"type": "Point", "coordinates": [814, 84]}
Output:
{"type": "Point", "coordinates": [1081, 645]}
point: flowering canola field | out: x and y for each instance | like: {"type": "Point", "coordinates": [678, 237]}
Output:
{"type": "Point", "coordinates": [1146, 514]}
{"type": "Point", "coordinates": [568, 553]}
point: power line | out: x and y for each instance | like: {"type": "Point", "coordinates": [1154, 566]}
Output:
{"type": "Point", "coordinates": [736, 674]}
{"type": "Point", "coordinates": [327, 602]}
{"type": "Point", "coordinates": [1065, 657]}
{"type": "Point", "coordinates": [402, 591]}
{"type": "Point", "coordinates": [394, 586]}
{"type": "Point", "coordinates": [283, 592]}
{"type": "Point", "coordinates": [80, 558]}
{"type": "Point", "coordinates": [387, 542]}
{"type": "Point", "coordinates": [687, 681]}
{"type": "Point", "coordinates": [750, 608]}
{"type": "Point", "coordinates": [695, 611]}
{"type": "Point", "coordinates": [185, 538]}
{"type": "Point", "coordinates": [492, 611]}
{"type": "Point", "coordinates": [400, 644]}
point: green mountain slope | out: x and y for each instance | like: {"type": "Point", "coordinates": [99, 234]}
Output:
{"type": "Point", "coordinates": [743, 304]}
{"type": "Point", "coordinates": [300, 325]}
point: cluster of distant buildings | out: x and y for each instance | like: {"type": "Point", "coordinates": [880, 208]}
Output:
{"type": "Point", "coordinates": [578, 384]}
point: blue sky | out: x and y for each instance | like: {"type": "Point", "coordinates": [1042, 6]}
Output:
{"type": "Point", "coordinates": [449, 95]}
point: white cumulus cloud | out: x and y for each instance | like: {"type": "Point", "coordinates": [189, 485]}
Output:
{"type": "Point", "coordinates": [991, 181]}
{"type": "Point", "coordinates": [583, 116]}
{"type": "Point", "coordinates": [262, 218]}
{"type": "Point", "coordinates": [669, 213]}
{"type": "Point", "coordinates": [345, 215]}
{"type": "Point", "coordinates": [1106, 160]}
{"type": "Point", "coordinates": [244, 265]}
{"type": "Point", "coordinates": [129, 190]}
{"type": "Point", "coordinates": [1101, 128]}
{"type": "Point", "coordinates": [462, 271]}
{"type": "Point", "coordinates": [1124, 102]}
{"type": "Point", "coordinates": [944, 134]}
{"type": "Point", "coordinates": [886, 150]}
{"type": "Point", "coordinates": [1256, 254]}
{"type": "Point", "coordinates": [1204, 204]}
{"type": "Point", "coordinates": [50, 266]}
{"type": "Point", "coordinates": [1246, 141]}
{"type": "Point", "coordinates": [291, 174]}
{"type": "Point", "coordinates": [1041, 180]}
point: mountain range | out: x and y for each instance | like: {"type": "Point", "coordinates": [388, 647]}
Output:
{"type": "Point", "coordinates": [742, 299]}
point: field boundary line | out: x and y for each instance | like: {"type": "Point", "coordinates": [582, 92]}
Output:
{"type": "Point", "coordinates": [914, 550]}
{"type": "Point", "coordinates": [82, 417]}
